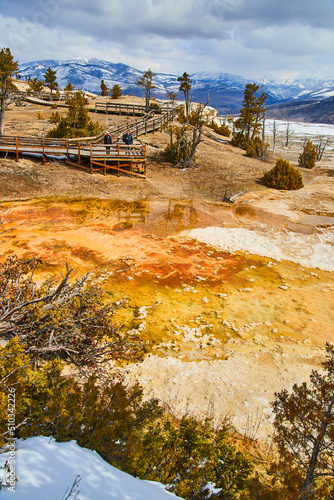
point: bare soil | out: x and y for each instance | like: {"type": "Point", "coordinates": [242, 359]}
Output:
{"type": "Point", "coordinates": [219, 167]}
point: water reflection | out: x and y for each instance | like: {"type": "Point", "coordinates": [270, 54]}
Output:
{"type": "Point", "coordinates": [158, 217]}
{"type": "Point", "coordinates": [185, 216]}
{"type": "Point", "coordinates": [130, 213]}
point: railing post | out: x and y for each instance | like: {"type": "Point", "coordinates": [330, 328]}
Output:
{"type": "Point", "coordinates": [79, 153]}
{"type": "Point", "coordinates": [91, 166]}
{"type": "Point", "coordinates": [43, 155]}
{"type": "Point", "coordinates": [17, 148]}
{"type": "Point", "coordinates": [67, 149]}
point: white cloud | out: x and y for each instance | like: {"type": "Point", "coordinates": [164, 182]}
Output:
{"type": "Point", "coordinates": [293, 40]}
{"type": "Point", "coordinates": [236, 36]}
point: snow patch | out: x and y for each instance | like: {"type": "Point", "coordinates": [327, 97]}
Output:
{"type": "Point", "coordinates": [46, 468]}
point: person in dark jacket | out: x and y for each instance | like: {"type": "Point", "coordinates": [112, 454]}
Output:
{"type": "Point", "coordinates": [107, 140]}
{"type": "Point", "coordinates": [127, 138]}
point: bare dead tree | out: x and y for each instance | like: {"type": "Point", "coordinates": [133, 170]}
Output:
{"type": "Point", "coordinates": [274, 130]}
{"type": "Point", "coordinates": [188, 137]}
{"type": "Point", "coordinates": [72, 492]}
{"type": "Point", "coordinates": [288, 134]}
{"type": "Point", "coordinates": [4, 218]}
{"type": "Point", "coordinates": [60, 319]}
{"type": "Point", "coordinates": [321, 145]}
{"type": "Point", "coordinates": [263, 126]}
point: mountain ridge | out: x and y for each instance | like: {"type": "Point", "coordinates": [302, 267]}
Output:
{"type": "Point", "coordinates": [226, 91]}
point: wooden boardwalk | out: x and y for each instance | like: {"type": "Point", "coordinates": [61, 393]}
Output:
{"type": "Point", "coordinates": [102, 107]}
{"type": "Point", "coordinates": [90, 153]}
{"type": "Point", "coordinates": [128, 109]}
{"type": "Point", "coordinates": [82, 153]}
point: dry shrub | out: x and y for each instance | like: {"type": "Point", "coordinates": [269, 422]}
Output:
{"type": "Point", "coordinates": [221, 130]}
{"type": "Point", "coordinates": [283, 176]}
{"type": "Point", "coordinates": [258, 149]}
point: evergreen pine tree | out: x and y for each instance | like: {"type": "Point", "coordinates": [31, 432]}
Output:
{"type": "Point", "coordinates": [8, 68]}
{"type": "Point", "coordinates": [308, 157]}
{"type": "Point", "coordinates": [77, 122]}
{"type": "Point", "coordinates": [36, 85]}
{"type": "Point", "coordinates": [145, 82]}
{"type": "Point", "coordinates": [104, 89]}
{"type": "Point", "coordinates": [251, 115]}
{"type": "Point", "coordinates": [69, 87]}
{"type": "Point", "coordinates": [50, 80]}
{"type": "Point", "coordinates": [185, 86]}
{"type": "Point", "coordinates": [116, 92]}
{"type": "Point", "coordinates": [304, 424]}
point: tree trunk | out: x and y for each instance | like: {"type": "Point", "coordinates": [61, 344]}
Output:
{"type": "Point", "coordinates": [147, 101]}
{"type": "Point", "coordinates": [2, 119]}
{"type": "Point", "coordinates": [197, 133]}
{"type": "Point", "coordinates": [187, 110]}
{"type": "Point", "coordinates": [315, 452]}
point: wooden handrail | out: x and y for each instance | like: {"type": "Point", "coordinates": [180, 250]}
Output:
{"type": "Point", "coordinates": [90, 149]}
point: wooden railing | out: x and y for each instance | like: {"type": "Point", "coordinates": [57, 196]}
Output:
{"type": "Point", "coordinates": [129, 109]}
{"type": "Point", "coordinates": [99, 107]}
{"type": "Point", "coordinates": [90, 152]}
{"type": "Point", "coordinates": [32, 145]}
{"type": "Point", "coordinates": [120, 128]}
{"type": "Point", "coordinates": [152, 124]}
{"type": "Point", "coordinates": [76, 152]}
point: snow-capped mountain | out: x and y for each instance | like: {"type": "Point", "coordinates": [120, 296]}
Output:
{"type": "Point", "coordinates": [87, 75]}
{"type": "Point", "coordinates": [226, 91]}
{"type": "Point", "coordinates": [312, 88]}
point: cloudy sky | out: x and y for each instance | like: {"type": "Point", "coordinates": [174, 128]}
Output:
{"type": "Point", "coordinates": [252, 38]}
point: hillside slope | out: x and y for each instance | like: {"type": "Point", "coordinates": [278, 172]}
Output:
{"type": "Point", "coordinates": [314, 111]}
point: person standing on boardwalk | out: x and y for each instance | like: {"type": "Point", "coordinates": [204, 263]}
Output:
{"type": "Point", "coordinates": [127, 138]}
{"type": "Point", "coordinates": [107, 140]}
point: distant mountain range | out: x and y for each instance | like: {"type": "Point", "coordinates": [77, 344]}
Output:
{"type": "Point", "coordinates": [305, 100]}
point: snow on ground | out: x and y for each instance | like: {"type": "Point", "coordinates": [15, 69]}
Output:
{"type": "Point", "coordinates": [46, 468]}
{"type": "Point", "coordinates": [314, 250]}
{"type": "Point", "coordinates": [303, 130]}
{"type": "Point", "coordinates": [310, 131]}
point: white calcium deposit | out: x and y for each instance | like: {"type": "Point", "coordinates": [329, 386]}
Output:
{"type": "Point", "coordinates": [315, 250]}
